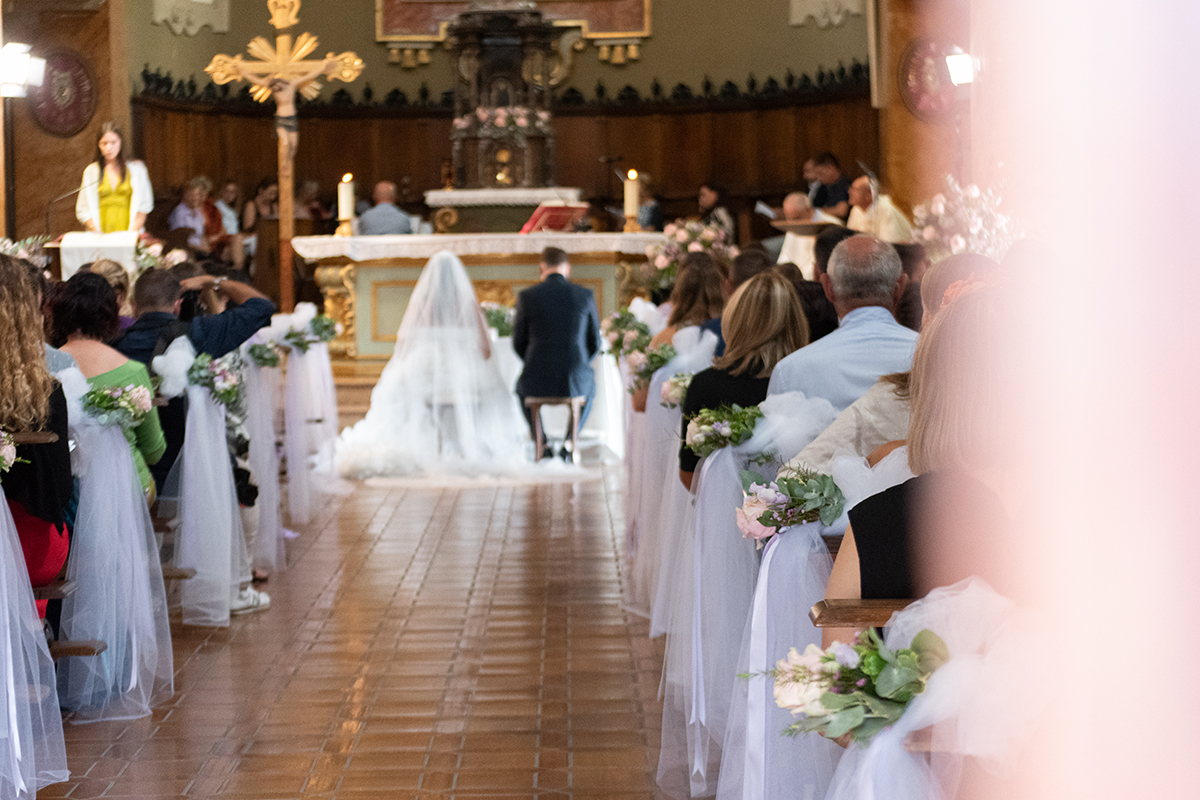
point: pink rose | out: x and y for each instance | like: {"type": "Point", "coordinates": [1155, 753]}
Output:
{"type": "Point", "coordinates": [630, 337]}
{"type": "Point", "coordinates": [681, 236]}
{"type": "Point", "coordinates": [522, 122]}
{"type": "Point", "coordinates": [695, 247]}
{"type": "Point", "coordinates": [636, 360]}
{"type": "Point", "coordinates": [155, 249]}
{"type": "Point", "coordinates": [482, 114]}
{"type": "Point", "coordinates": [929, 233]}
{"type": "Point", "coordinates": [748, 524]}
{"type": "Point", "coordinates": [669, 230]}
{"type": "Point", "coordinates": [938, 204]}
{"type": "Point", "coordinates": [662, 262]}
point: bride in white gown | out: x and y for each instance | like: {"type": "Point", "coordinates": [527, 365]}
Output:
{"type": "Point", "coordinates": [441, 404]}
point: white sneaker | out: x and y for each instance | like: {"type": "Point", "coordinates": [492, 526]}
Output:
{"type": "Point", "coordinates": [250, 600]}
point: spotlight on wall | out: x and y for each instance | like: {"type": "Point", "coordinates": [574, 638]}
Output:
{"type": "Point", "coordinates": [962, 66]}
{"type": "Point", "coordinates": [19, 69]}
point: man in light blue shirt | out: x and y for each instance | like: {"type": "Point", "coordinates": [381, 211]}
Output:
{"type": "Point", "coordinates": [864, 282]}
{"type": "Point", "coordinates": [385, 217]}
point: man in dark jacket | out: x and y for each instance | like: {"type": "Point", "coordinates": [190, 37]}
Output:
{"type": "Point", "coordinates": [556, 333]}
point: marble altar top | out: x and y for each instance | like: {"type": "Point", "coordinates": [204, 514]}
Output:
{"type": "Point", "coordinates": [516, 196]}
{"type": "Point", "coordinates": [370, 248]}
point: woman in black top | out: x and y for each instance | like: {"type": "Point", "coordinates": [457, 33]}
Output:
{"type": "Point", "coordinates": [762, 323]}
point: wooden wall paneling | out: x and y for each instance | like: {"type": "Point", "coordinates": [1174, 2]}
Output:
{"type": "Point", "coordinates": [435, 138]}
{"type": "Point", "coordinates": [735, 155]}
{"type": "Point", "coordinates": [578, 146]}
{"type": "Point", "coordinates": [775, 142]}
{"type": "Point", "coordinates": [687, 156]}
{"type": "Point", "coordinates": [631, 138]}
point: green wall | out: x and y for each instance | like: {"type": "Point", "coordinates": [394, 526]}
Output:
{"type": "Point", "coordinates": [723, 39]}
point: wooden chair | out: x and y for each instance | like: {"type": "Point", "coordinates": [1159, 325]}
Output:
{"type": "Point", "coordinates": [574, 404]}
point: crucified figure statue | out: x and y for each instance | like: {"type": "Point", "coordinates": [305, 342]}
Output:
{"type": "Point", "coordinates": [287, 126]}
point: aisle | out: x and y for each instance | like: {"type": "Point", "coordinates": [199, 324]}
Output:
{"type": "Point", "coordinates": [428, 644]}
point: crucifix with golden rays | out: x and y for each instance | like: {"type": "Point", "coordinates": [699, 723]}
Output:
{"type": "Point", "coordinates": [279, 72]}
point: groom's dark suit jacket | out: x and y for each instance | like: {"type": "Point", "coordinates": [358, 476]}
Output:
{"type": "Point", "coordinates": [556, 333]}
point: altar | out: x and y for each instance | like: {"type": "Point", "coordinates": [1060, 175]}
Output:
{"type": "Point", "coordinates": [366, 281]}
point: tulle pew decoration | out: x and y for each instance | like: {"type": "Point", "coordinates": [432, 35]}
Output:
{"type": "Point", "coordinates": [702, 646]}
{"type": "Point", "coordinates": [199, 492]}
{"type": "Point", "coordinates": [263, 356]}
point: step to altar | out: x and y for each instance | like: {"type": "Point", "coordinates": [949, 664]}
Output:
{"type": "Point", "coordinates": [354, 382]}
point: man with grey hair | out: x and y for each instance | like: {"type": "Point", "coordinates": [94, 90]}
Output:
{"type": "Point", "coordinates": [865, 283]}
{"type": "Point", "coordinates": [385, 217]}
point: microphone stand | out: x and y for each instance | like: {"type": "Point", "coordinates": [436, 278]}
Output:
{"type": "Point", "coordinates": [71, 193]}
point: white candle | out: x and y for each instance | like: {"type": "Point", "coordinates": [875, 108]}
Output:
{"type": "Point", "coordinates": [631, 194]}
{"type": "Point", "coordinates": [346, 197]}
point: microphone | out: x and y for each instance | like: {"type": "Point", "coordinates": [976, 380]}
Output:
{"type": "Point", "coordinates": [71, 193]}
{"type": "Point", "coordinates": [611, 159]}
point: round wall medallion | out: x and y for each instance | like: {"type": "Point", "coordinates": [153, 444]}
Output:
{"type": "Point", "coordinates": [925, 85]}
{"type": "Point", "coordinates": [66, 101]}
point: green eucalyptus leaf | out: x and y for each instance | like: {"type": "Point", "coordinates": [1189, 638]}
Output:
{"type": "Point", "coordinates": [845, 721]}
{"type": "Point", "coordinates": [931, 650]}
{"type": "Point", "coordinates": [869, 727]}
{"type": "Point", "coordinates": [893, 679]}
{"type": "Point", "coordinates": [836, 702]}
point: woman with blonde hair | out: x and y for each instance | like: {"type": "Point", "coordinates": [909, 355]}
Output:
{"type": "Point", "coordinates": [762, 324]}
{"type": "Point", "coordinates": [118, 278]}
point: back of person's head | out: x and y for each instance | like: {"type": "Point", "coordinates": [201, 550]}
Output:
{"type": "Point", "coordinates": [156, 290]}
{"type": "Point", "coordinates": [912, 258]}
{"type": "Point", "coordinates": [25, 383]}
{"type": "Point", "coordinates": [116, 275]}
{"type": "Point", "coordinates": [187, 269]}
{"type": "Point", "coordinates": [554, 257]}
{"type": "Point", "coordinates": [385, 192]}
{"type": "Point", "coordinates": [958, 417]}
{"type": "Point", "coordinates": [954, 268]}
{"type": "Point", "coordinates": [697, 295]}
{"type": "Point", "coordinates": [763, 323]}
{"type": "Point", "coordinates": [828, 239]}
{"type": "Point", "coordinates": [864, 271]}
{"type": "Point", "coordinates": [796, 205]}
{"type": "Point", "coordinates": [793, 274]}
{"type": "Point", "coordinates": [200, 182]}
{"type": "Point", "coordinates": [827, 159]}
{"type": "Point", "coordinates": [747, 264]}
{"type": "Point", "coordinates": [84, 305]}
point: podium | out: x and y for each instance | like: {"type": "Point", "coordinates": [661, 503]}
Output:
{"type": "Point", "coordinates": [78, 248]}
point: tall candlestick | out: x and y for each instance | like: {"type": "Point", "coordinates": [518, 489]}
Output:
{"type": "Point", "coordinates": [346, 197]}
{"type": "Point", "coordinates": [631, 194]}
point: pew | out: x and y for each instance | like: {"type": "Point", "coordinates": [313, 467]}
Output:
{"type": "Point", "coordinates": [854, 613]}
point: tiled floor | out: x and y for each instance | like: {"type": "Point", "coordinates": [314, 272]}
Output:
{"type": "Point", "coordinates": [431, 644]}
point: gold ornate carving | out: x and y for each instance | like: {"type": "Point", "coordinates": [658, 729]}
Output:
{"type": "Point", "coordinates": [444, 219]}
{"type": "Point", "coordinates": [284, 13]}
{"type": "Point", "coordinates": [631, 282]}
{"type": "Point", "coordinates": [337, 287]}
{"type": "Point", "coordinates": [501, 292]}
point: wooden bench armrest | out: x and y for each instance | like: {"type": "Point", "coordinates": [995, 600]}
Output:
{"type": "Point", "coordinates": [81, 647]}
{"type": "Point", "coordinates": [56, 590]}
{"type": "Point", "coordinates": [854, 613]}
{"type": "Point", "coordinates": [35, 437]}
{"type": "Point", "coordinates": [178, 573]}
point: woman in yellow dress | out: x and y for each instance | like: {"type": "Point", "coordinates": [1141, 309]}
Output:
{"type": "Point", "coordinates": [115, 194]}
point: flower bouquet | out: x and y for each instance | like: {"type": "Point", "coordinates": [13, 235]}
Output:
{"type": "Point", "coordinates": [320, 328]}
{"type": "Point", "coordinates": [966, 219]}
{"type": "Point", "coordinates": [857, 689]}
{"type": "Point", "coordinates": [714, 428]}
{"type": "Point", "coordinates": [149, 255]}
{"type": "Point", "coordinates": [511, 120]}
{"type": "Point", "coordinates": [683, 237]}
{"type": "Point", "coordinates": [795, 497]}
{"type": "Point", "coordinates": [30, 249]}
{"type": "Point", "coordinates": [654, 359]}
{"type": "Point", "coordinates": [674, 389]}
{"type": "Point", "coordinates": [8, 452]}
{"type": "Point", "coordinates": [625, 333]}
{"type": "Point", "coordinates": [499, 317]}
{"type": "Point", "coordinates": [118, 405]}
{"type": "Point", "coordinates": [220, 376]}
{"type": "Point", "coordinates": [266, 355]}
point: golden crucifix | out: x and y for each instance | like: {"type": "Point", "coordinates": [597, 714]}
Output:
{"type": "Point", "coordinates": [280, 72]}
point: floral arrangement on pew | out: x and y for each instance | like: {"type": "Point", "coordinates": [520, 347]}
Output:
{"type": "Point", "coordinates": [118, 405]}
{"type": "Point", "coordinates": [713, 428]}
{"type": "Point", "coordinates": [683, 237]}
{"type": "Point", "coordinates": [643, 365]}
{"type": "Point", "coordinates": [266, 355]}
{"type": "Point", "coordinates": [857, 689]}
{"type": "Point", "coordinates": [674, 389]}
{"type": "Point", "coordinates": [220, 376]}
{"type": "Point", "coordinates": [8, 452]}
{"type": "Point", "coordinates": [499, 317]}
{"type": "Point", "coordinates": [966, 219]}
{"type": "Point", "coordinates": [625, 333]}
{"type": "Point", "coordinates": [149, 255]}
{"type": "Point", "coordinates": [30, 249]}
{"type": "Point", "coordinates": [320, 328]}
{"type": "Point", "coordinates": [796, 496]}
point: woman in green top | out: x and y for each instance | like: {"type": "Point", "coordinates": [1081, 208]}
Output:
{"type": "Point", "coordinates": [84, 311]}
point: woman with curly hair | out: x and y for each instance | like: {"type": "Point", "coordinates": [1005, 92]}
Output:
{"type": "Point", "coordinates": [38, 487]}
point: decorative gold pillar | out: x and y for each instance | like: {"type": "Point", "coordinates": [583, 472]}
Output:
{"type": "Point", "coordinates": [337, 287]}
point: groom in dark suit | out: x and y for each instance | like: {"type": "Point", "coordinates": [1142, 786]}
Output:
{"type": "Point", "coordinates": [556, 333]}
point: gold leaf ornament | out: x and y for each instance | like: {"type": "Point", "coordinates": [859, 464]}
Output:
{"type": "Point", "coordinates": [284, 13]}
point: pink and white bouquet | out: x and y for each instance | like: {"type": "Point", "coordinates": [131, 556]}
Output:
{"type": "Point", "coordinates": [857, 689]}
{"type": "Point", "coordinates": [126, 406]}
{"type": "Point", "coordinates": [713, 428]}
{"type": "Point", "coordinates": [30, 249]}
{"type": "Point", "coordinates": [654, 359]}
{"type": "Point", "coordinates": [683, 237]}
{"type": "Point", "coordinates": [795, 497]}
{"type": "Point", "coordinates": [625, 333]}
{"type": "Point", "coordinates": [8, 452]}
{"type": "Point", "coordinates": [966, 219]}
{"type": "Point", "coordinates": [221, 376]}
{"type": "Point", "coordinates": [268, 354]}
{"type": "Point", "coordinates": [674, 389]}
{"type": "Point", "coordinates": [149, 255]}
{"type": "Point", "coordinates": [320, 328]}
{"type": "Point", "coordinates": [515, 120]}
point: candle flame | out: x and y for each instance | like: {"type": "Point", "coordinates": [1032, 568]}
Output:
{"type": "Point", "coordinates": [347, 177]}
{"type": "Point", "coordinates": [633, 174]}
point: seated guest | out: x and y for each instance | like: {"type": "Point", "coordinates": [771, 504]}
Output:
{"type": "Point", "coordinates": [812, 181]}
{"type": "Point", "coordinates": [650, 214]}
{"type": "Point", "coordinates": [820, 313]}
{"type": "Point", "coordinates": [38, 487]}
{"type": "Point", "coordinates": [227, 204]}
{"type": "Point", "coordinates": [385, 217]}
{"type": "Point", "coordinates": [914, 262]}
{"type": "Point", "coordinates": [189, 214]}
{"type": "Point", "coordinates": [864, 283]}
{"type": "Point", "coordinates": [796, 208]}
{"type": "Point", "coordinates": [695, 299]}
{"type": "Point", "coordinates": [308, 202]}
{"type": "Point", "coordinates": [876, 214]}
{"type": "Point", "coordinates": [118, 278]}
{"type": "Point", "coordinates": [713, 212]}
{"type": "Point", "coordinates": [745, 266]}
{"type": "Point", "coordinates": [84, 314]}
{"type": "Point", "coordinates": [763, 323]}
{"type": "Point", "coordinates": [833, 195]}
{"type": "Point", "coordinates": [264, 205]}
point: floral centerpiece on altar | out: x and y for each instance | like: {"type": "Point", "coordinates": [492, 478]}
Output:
{"type": "Point", "coordinates": [674, 389]}
{"type": "Point", "coordinates": [504, 120]}
{"type": "Point", "coordinates": [499, 317]}
{"type": "Point", "coordinates": [625, 333]}
{"type": "Point", "coordinates": [683, 237]}
{"type": "Point", "coordinates": [118, 405]}
{"type": "Point", "coordinates": [713, 428]}
{"type": "Point", "coordinates": [149, 254]}
{"type": "Point", "coordinates": [796, 496]}
{"type": "Point", "coordinates": [643, 365]}
{"type": "Point", "coordinates": [965, 219]}
{"type": "Point", "coordinates": [857, 689]}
